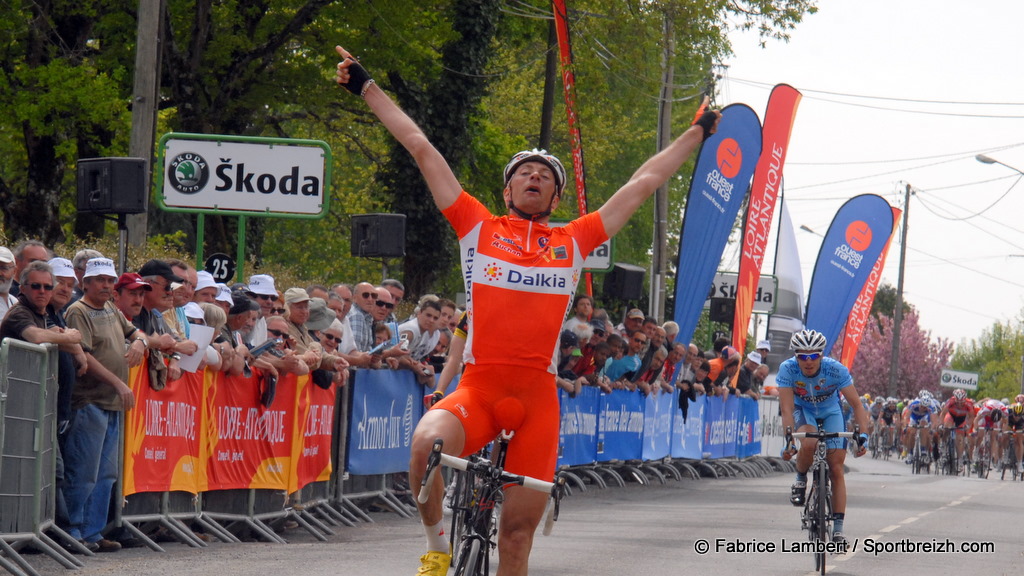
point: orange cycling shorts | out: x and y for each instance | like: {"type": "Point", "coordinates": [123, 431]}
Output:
{"type": "Point", "coordinates": [493, 398]}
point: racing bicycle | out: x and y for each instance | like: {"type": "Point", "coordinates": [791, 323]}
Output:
{"type": "Point", "coordinates": [477, 494]}
{"type": "Point", "coordinates": [983, 453]}
{"type": "Point", "coordinates": [1010, 455]}
{"type": "Point", "coordinates": [920, 459]}
{"type": "Point", "coordinates": [816, 517]}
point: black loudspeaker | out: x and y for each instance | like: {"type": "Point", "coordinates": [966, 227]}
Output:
{"type": "Point", "coordinates": [722, 310]}
{"type": "Point", "coordinates": [112, 185]}
{"type": "Point", "coordinates": [624, 282]}
{"type": "Point", "coordinates": [378, 235]}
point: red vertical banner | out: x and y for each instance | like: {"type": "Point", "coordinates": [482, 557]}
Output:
{"type": "Point", "coordinates": [858, 319]}
{"type": "Point", "coordinates": [764, 192]}
{"type": "Point", "coordinates": [569, 91]}
{"type": "Point", "coordinates": [316, 413]}
{"type": "Point", "coordinates": [163, 434]}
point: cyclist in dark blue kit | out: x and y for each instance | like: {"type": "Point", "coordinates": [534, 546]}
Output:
{"type": "Point", "coordinates": [810, 385]}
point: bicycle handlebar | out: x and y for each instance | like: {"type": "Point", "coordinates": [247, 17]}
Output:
{"type": "Point", "coordinates": [823, 435]}
{"type": "Point", "coordinates": [484, 466]}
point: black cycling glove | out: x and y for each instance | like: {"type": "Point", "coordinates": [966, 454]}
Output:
{"type": "Point", "coordinates": [358, 79]}
{"type": "Point", "coordinates": [707, 122]}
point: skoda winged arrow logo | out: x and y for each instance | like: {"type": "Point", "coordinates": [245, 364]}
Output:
{"type": "Point", "coordinates": [188, 172]}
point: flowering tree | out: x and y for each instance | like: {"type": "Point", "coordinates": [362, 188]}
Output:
{"type": "Point", "coordinates": [921, 359]}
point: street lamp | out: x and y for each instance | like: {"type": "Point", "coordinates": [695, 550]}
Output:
{"type": "Point", "coordinates": [990, 160]}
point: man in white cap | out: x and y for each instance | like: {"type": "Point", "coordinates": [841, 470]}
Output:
{"type": "Point", "coordinates": [98, 398]}
{"type": "Point", "coordinates": [206, 288]}
{"type": "Point", "coordinates": [81, 257]}
{"type": "Point", "coordinates": [223, 298]}
{"type": "Point", "coordinates": [68, 366]}
{"type": "Point", "coordinates": [763, 348]}
{"type": "Point", "coordinates": [264, 293]}
{"type": "Point", "coordinates": [7, 271]}
{"type": "Point", "coordinates": [745, 383]}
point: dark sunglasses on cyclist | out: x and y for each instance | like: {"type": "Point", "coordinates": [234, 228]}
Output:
{"type": "Point", "coordinates": [40, 286]}
{"type": "Point", "coordinates": [808, 357]}
{"type": "Point", "coordinates": [384, 304]}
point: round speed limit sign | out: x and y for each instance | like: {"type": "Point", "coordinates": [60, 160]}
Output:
{"type": "Point", "coordinates": [221, 267]}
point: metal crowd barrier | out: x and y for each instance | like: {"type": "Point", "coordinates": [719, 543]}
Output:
{"type": "Point", "coordinates": [28, 391]}
{"type": "Point", "coordinates": [28, 385]}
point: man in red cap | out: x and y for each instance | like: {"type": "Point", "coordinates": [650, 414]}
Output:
{"type": "Point", "coordinates": [129, 292]}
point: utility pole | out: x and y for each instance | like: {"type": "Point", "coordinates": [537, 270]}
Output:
{"type": "Point", "coordinates": [144, 102]}
{"type": "Point", "coordinates": [659, 259]}
{"type": "Point", "coordinates": [897, 317]}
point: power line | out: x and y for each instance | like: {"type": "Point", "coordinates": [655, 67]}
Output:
{"type": "Point", "coordinates": [885, 98]}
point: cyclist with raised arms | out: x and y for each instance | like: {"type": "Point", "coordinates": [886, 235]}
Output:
{"type": "Point", "coordinates": [516, 263]}
{"type": "Point", "coordinates": [810, 385]}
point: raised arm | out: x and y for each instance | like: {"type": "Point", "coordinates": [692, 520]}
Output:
{"type": "Point", "coordinates": [441, 181]}
{"type": "Point", "coordinates": [655, 172]}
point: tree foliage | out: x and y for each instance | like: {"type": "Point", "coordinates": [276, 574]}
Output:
{"type": "Point", "coordinates": [472, 72]}
{"type": "Point", "coordinates": [996, 356]}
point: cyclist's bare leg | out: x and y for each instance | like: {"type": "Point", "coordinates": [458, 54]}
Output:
{"type": "Point", "coordinates": [805, 455]}
{"type": "Point", "coordinates": [520, 515]}
{"type": "Point", "coordinates": [434, 424]}
{"type": "Point", "coordinates": [836, 458]}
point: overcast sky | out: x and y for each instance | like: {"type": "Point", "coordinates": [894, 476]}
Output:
{"type": "Point", "coordinates": [908, 92]}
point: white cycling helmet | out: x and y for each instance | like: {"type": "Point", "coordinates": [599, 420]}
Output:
{"type": "Point", "coordinates": [542, 156]}
{"type": "Point", "coordinates": [808, 340]}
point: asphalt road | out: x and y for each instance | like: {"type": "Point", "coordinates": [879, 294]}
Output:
{"type": "Point", "coordinates": [893, 515]}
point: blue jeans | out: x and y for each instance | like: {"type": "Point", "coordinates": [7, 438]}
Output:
{"type": "Point", "coordinates": [90, 470]}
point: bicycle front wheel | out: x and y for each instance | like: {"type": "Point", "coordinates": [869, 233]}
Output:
{"type": "Point", "coordinates": [470, 562]}
{"type": "Point", "coordinates": [821, 497]}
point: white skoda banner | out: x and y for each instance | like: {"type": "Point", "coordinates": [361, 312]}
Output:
{"type": "Point", "coordinates": [268, 176]}
{"type": "Point", "coordinates": [954, 379]}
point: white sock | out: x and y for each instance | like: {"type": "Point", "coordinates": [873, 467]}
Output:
{"type": "Point", "coordinates": [437, 540]}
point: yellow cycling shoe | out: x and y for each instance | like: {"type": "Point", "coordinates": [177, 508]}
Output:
{"type": "Point", "coordinates": [434, 564]}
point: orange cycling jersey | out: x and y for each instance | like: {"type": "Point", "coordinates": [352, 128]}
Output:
{"type": "Point", "coordinates": [520, 277]}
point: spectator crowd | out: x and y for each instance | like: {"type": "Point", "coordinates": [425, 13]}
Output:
{"type": "Point", "coordinates": [103, 323]}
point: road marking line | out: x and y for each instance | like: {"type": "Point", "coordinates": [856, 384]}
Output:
{"type": "Point", "coordinates": [910, 520]}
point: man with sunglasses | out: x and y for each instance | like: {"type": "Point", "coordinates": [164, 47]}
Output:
{"type": "Point", "coordinates": [157, 308]}
{"type": "Point", "coordinates": [27, 320]}
{"type": "Point", "coordinates": [263, 292]}
{"type": "Point", "coordinates": [360, 316]}
{"type": "Point", "coordinates": [809, 387]}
